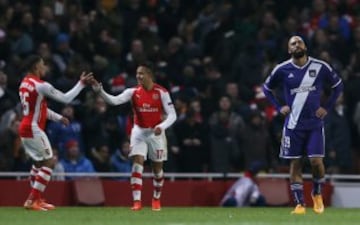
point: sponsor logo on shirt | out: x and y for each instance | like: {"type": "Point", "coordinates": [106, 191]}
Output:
{"type": "Point", "coordinates": [302, 89]}
{"type": "Point", "coordinates": [147, 108]}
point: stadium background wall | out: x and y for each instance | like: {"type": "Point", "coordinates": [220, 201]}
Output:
{"type": "Point", "coordinates": [118, 193]}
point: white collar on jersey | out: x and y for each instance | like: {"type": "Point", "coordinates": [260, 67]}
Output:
{"type": "Point", "coordinates": [300, 67]}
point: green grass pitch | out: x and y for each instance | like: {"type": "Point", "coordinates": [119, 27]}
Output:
{"type": "Point", "coordinates": [176, 216]}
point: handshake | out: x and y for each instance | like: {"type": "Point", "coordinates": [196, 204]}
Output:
{"type": "Point", "coordinates": [88, 79]}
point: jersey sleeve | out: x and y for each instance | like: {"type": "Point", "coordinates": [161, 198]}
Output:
{"type": "Point", "coordinates": [51, 115]}
{"type": "Point", "coordinates": [169, 110]}
{"type": "Point", "coordinates": [49, 91]}
{"type": "Point", "coordinates": [336, 85]}
{"type": "Point", "coordinates": [332, 76]}
{"type": "Point", "coordinates": [273, 79]}
{"type": "Point", "coordinates": [125, 96]}
{"type": "Point", "coordinates": [270, 84]}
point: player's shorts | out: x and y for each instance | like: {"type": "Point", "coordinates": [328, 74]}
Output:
{"type": "Point", "coordinates": [38, 147]}
{"type": "Point", "coordinates": [299, 143]}
{"type": "Point", "coordinates": [144, 142]}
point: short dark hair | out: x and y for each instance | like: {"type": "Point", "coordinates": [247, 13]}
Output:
{"type": "Point", "coordinates": [149, 66]}
{"type": "Point", "coordinates": [30, 63]}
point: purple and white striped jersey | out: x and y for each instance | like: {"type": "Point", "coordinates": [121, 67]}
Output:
{"type": "Point", "coordinates": [302, 88]}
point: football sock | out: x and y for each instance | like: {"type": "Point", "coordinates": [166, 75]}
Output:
{"type": "Point", "coordinates": [136, 181]}
{"type": "Point", "coordinates": [317, 184]}
{"type": "Point", "coordinates": [41, 181]}
{"type": "Point", "coordinates": [158, 183]}
{"type": "Point", "coordinates": [33, 172]}
{"type": "Point", "coordinates": [298, 192]}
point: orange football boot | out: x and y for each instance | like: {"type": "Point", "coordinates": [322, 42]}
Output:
{"type": "Point", "coordinates": [136, 206]}
{"type": "Point", "coordinates": [155, 205]}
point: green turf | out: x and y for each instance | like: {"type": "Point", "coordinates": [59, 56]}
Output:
{"type": "Point", "coordinates": [175, 216]}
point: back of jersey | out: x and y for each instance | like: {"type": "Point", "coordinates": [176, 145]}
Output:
{"type": "Point", "coordinates": [34, 106]}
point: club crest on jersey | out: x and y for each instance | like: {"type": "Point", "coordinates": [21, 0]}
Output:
{"type": "Point", "coordinates": [155, 96]}
{"type": "Point", "coordinates": [312, 73]}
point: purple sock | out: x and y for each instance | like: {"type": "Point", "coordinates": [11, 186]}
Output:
{"type": "Point", "coordinates": [298, 192]}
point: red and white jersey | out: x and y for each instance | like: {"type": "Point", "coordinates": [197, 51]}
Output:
{"type": "Point", "coordinates": [33, 92]}
{"type": "Point", "coordinates": [149, 106]}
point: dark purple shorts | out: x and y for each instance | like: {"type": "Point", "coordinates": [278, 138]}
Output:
{"type": "Point", "coordinates": [298, 143]}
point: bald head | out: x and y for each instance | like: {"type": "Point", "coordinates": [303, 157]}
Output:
{"type": "Point", "coordinates": [296, 47]}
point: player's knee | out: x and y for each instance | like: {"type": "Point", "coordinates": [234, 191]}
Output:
{"type": "Point", "coordinates": [50, 163]}
{"type": "Point", "coordinates": [315, 162]}
{"type": "Point", "coordinates": [139, 159]}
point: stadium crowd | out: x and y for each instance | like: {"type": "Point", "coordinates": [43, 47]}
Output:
{"type": "Point", "coordinates": [213, 56]}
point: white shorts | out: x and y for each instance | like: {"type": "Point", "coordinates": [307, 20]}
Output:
{"type": "Point", "coordinates": [38, 147]}
{"type": "Point", "coordinates": [144, 142]}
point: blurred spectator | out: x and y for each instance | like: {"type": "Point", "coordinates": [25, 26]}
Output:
{"type": "Point", "coordinates": [136, 55]}
{"type": "Point", "coordinates": [181, 103]}
{"type": "Point", "coordinates": [81, 40]}
{"type": "Point", "coordinates": [225, 126]}
{"type": "Point", "coordinates": [239, 106]}
{"type": "Point", "coordinates": [335, 25]}
{"type": "Point", "coordinates": [245, 63]}
{"type": "Point", "coordinates": [150, 39]}
{"type": "Point", "coordinates": [46, 26]}
{"type": "Point", "coordinates": [176, 59]}
{"type": "Point", "coordinates": [45, 51]}
{"type": "Point", "coordinates": [100, 157]}
{"type": "Point", "coordinates": [196, 106]}
{"type": "Point", "coordinates": [119, 160]}
{"type": "Point", "coordinates": [8, 97]}
{"type": "Point", "coordinates": [58, 168]}
{"type": "Point", "coordinates": [168, 17]}
{"type": "Point", "coordinates": [11, 152]}
{"type": "Point", "coordinates": [194, 150]}
{"type": "Point", "coordinates": [63, 51]}
{"type": "Point", "coordinates": [255, 142]}
{"type": "Point", "coordinates": [336, 64]}
{"type": "Point", "coordinates": [59, 134]}
{"type": "Point", "coordinates": [21, 43]}
{"type": "Point", "coordinates": [74, 161]}
{"type": "Point", "coordinates": [22, 162]}
{"type": "Point", "coordinates": [173, 162]}
{"type": "Point", "coordinates": [5, 50]}
{"type": "Point", "coordinates": [320, 42]}
{"type": "Point", "coordinates": [338, 140]}
{"type": "Point", "coordinates": [101, 126]}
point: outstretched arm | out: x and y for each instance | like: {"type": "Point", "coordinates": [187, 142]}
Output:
{"type": "Point", "coordinates": [49, 91]}
{"type": "Point", "coordinates": [125, 96]}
